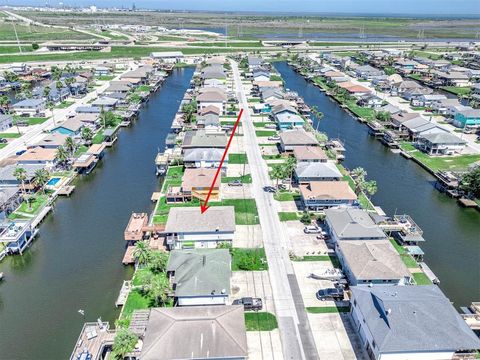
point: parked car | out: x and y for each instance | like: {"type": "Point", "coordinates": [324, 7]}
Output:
{"type": "Point", "coordinates": [249, 303]}
{"type": "Point", "coordinates": [312, 229]}
{"type": "Point", "coordinates": [20, 152]}
{"type": "Point", "coordinates": [235, 183]}
{"type": "Point", "coordinates": [269, 189]}
{"type": "Point", "coordinates": [270, 126]}
{"type": "Point", "coordinates": [335, 294]}
{"type": "Point", "coordinates": [274, 138]}
{"type": "Point", "coordinates": [3, 140]}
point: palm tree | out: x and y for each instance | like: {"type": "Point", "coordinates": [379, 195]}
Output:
{"type": "Point", "coordinates": [21, 175]}
{"type": "Point", "coordinates": [70, 145]}
{"type": "Point", "coordinates": [289, 167]}
{"type": "Point", "coordinates": [277, 173]}
{"type": "Point", "coordinates": [370, 187]}
{"type": "Point", "coordinates": [46, 91]}
{"type": "Point", "coordinates": [5, 102]}
{"type": "Point", "coordinates": [41, 177]}
{"type": "Point", "coordinates": [142, 253]}
{"type": "Point", "coordinates": [62, 155]}
{"type": "Point", "coordinates": [87, 135]}
{"type": "Point", "coordinates": [158, 262]}
{"type": "Point", "coordinates": [159, 290]}
{"type": "Point", "coordinates": [358, 174]}
{"type": "Point", "coordinates": [124, 343]}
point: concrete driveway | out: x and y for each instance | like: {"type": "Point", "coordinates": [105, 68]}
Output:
{"type": "Point", "coordinates": [236, 192]}
{"type": "Point", "coordinates": [301, 243]}
{"type": "Point", "coordinates": [248, 236]}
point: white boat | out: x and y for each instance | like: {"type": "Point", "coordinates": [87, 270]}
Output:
{"type": "Point", "coordinates": [1, 276]}
{"type": "Point", "coordinates": [329, 274]}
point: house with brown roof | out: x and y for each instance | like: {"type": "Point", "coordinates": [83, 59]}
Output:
{"type": "Point", "coordinates": [318, 195]}
{"type": "Point", "coordinates": [290, 139]}
{"type": "Point", "coordinates": [212, 96]}
{"type": "Point", "coordinates": [309, 154]}
{"type": "Point", "coordinates": [38, 155]}
{"type": "Point", "coordinates": [196, 183]}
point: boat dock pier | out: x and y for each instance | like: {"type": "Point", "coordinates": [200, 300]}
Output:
{"type": "Point", "coordinates": [124, 291]}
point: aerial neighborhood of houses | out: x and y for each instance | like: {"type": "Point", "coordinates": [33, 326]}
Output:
{"type": "Point", "coordinates": [261, 243]}
{"type": "Point", "coordinates": [276, 189]}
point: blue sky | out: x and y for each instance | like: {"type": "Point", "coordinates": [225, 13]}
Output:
{"type": "Point", "coordinates": [395, 7]}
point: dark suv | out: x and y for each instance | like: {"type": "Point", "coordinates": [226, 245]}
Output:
{"type": "Point", "coordinates": [330, 294]}
{"type": "Point", "coordinates": [249, 303]}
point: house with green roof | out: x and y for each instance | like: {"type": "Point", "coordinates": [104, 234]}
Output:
{"type": "Point", "coordinates": [200, 276]}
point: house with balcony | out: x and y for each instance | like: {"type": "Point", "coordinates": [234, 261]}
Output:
{"type": "Point", "coordinates": [309, 154]}
{"type": "Point", "coordinates": [289, 139]}
{"type": "Point", "coordinates": [319, 195]}
{"type": "Point", "coordinates": [17, 235]}
{"type": "Point", "coordinates": [410, 322]}
{"type": "Point", "coordinates": [200, 277]}
{"type": "Point", "coordinates": [440, 143]}
{"type": "Point", "coordinates": [366, 262]}
{"type": "Point", "coordinates": [30, 107]}
{"type": "Point", "coordinates": [317, 171]}
{"type": "Point", "coordinates": [38, 155]}
{"type": "Point", "coordinates": [205, 158]}
{"type": "Point", "coordinates": [212, 97]}
{"type": "Point", "coordinates": [188, 228]}
{"type": "Point", "coordinates": [196, 184]}
{"type": "Point", "coordinates": [468, 117]}
{"type": "Point", "coordinates": [347, 223]}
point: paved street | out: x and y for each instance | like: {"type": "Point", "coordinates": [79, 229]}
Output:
{"type": "Point", "coordinates": [295, 332]}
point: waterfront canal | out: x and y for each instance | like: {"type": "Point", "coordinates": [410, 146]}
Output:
{"type": "Point", "coordinates": [452, 233]}
{"type": "Point", "coordinates": [75, 263]}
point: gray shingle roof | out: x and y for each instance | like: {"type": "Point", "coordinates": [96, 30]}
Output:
{"type": "Point", "coordinates": [351, 223]}
{"type": "Point", "coordinates": [204, 332]}
{"type": "Point", "coordinates": [443, 138]}
{"type": "Point", "coordinates": [317, 170]}
{"type": "Point", "coordinates": [200, 138]}
{"type": "Point", "coordinates": [413, 318]}
{"type": "Point", "coordinates": [297, 137]}
{"type": "Point", "coordinates": [208, 154]}
{"type": "Point", "coordinates": [190, 220]}
{"type": "Point", "coordinates": [373, 260]}
{"type": "Point", "coordinates": [200, 272]}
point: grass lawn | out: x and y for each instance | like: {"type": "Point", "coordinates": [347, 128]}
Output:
{"type": "Point", "coordinates": [332, 258]}
{"type": "Point", "coordinates": [251, 259]}
{"type": "Point", "coordinates": [64, 104]}
{"type": "Point", "coordinates": [288, 216]}
{"type": "Point", "coordinates": [135, 301]}
{"type": "Point", "coordinates": [265, 133]}
{"type": "Point", "coordinates": [415, 76]}
{"type": "Point", "coordinates": [409, 261]}
{"type": "Point", "coordinates": [106, 77]}
{"type": "Point", "coordinates": [9, 135]}
{"type": "Point", "coordinates": [3, 145]}
{"type": "Point", "coordinates": [286, 196]}
{"type": "Point", "coordinates": [400, 249]}
{"type": "Point", "coordinates": [237, 158]}
{"type": "Point", "coordinates": [98, 138]}
{"type": "Point", "coordinates": [246, 212]}
{"type": "Point", "coordinates": [143, 88]}
{"type": "Point", "coordinates": [245, 179]}
{"type": "Point", "coordinates": [82, 149]}
{"type": "Point", "coordinates": [327, 309]}
{"type": "Point", "coordinates": [457, 90]}
{"type": "Point", "coordinates": [261, 124]}
{"type": "Point", "coordinates": [260, 321]}
{"type": "Point", "coordinates": [32, 120]}
{"type": "Point", "coordinates": [421, 279]}
{"type": "Point", "coordinates": [37, 202]}
{"type": "Point", "coordinates": [435, 163]}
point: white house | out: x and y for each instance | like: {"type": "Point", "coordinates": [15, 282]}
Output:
{"type": "Point", "coordinates": [410, 322]}
{"type": "Point", "coordinates": [30, 107]}
{"type": "Point", "coordinates": [200, 276]}
{"type": "Point", "coordinates": [212, 97]}
{"type": "Point", "coordinates": [188, 228]}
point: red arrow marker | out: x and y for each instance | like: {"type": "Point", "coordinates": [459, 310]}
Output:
{"type": "Point", "coordinates": [204, 207]}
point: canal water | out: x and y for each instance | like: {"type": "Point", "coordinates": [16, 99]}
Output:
{"type": "Point", "coordinates": [76, 261]}
{"type": "Point", "coordinates": [452, 233]}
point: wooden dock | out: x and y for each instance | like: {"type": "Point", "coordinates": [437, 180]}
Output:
{"type": "Point", "coordinates": [66, 190]}
{"type": "Point", "coordinates": [124, 291]}
{"type": "Point", "coordinates": [93, 338]}
{"type": "Point", "coordinates": [467, 203]}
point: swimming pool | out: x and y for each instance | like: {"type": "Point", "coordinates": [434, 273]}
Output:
{"type": "Point", "coordinates": [53, 181]}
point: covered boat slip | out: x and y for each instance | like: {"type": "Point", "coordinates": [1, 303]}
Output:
{"type": "Point", "coordinates": [85, 163]}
